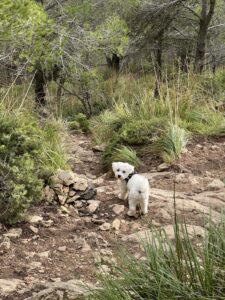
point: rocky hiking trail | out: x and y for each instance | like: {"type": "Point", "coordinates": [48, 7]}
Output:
{"type": "Point", "coordinates": [75, 232]}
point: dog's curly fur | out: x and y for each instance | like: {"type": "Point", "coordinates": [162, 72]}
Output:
{"type": "Point", "coordinates": [132, 186]}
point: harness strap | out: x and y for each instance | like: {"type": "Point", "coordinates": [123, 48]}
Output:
{"type": "Point", "coordinates": [129, 177]}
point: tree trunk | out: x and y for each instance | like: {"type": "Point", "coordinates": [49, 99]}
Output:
{"type": "Point", "coordinates": [158, 65]}
{"type": "Point", "coordinates": [114, 62]}
{"type": "Point", "coordinates": [39, 88]}
{"type": "Point", "coordinates": [204, 22]}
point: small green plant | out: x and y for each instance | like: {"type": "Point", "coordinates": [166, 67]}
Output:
{"type": "Point", "coordinates": [180, 270]}
{"type": "Point", "coordinates": [171, 144]}
{"type": "Point", "coordinates": [79, 122]}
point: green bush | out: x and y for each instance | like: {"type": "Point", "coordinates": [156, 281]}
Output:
{"type": "Point", "coordinates": [79, 122]}
{"type": "Point", "coordinates": [26, 155]}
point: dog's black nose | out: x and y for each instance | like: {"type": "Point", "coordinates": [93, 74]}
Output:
{"type": "Point", "coordinates": [119, 176]}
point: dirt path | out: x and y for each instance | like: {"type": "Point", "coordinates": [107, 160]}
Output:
{"type": "Point", "coordinates": [71, 245]}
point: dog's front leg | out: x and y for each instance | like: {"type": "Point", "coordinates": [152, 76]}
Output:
{"type": "Point", "coordinates": [123, 191]}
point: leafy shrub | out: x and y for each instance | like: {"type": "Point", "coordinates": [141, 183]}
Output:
{"type": "Point", "coordinates": [26, 155]}
{"type": "Point", "coordinates": [182, 270]}
{"type": "Point", "coordinates": [139, 131]}
{"type": "Point", "coordinates": [79, 122]}
{"type": "Point", "coordinates": [73, 125]}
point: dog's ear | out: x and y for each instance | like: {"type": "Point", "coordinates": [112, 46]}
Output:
{"type": "Point", "coordinates": [130, 168]}
{"type": "Point", "coordinates": [114, 165]}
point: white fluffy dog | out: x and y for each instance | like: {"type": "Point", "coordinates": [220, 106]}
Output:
{"type": "Point", "coordinates": [133, 186]}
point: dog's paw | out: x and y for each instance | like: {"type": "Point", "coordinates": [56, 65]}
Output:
{"type": "Point", "coordinates": [131, 213]}
{"type": "Point", "coordinates": [144, 212]}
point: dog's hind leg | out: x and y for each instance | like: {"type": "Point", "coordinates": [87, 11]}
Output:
{"type": "Point", "coordinates": [144, 204]}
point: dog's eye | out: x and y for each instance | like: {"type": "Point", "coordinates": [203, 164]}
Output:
{"type": "Point", "coordinates": [124, 172]}
{"type": "Point", "coordinates": [118, 170]}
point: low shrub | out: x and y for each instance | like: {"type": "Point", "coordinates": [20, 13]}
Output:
{"type": "Point", "coordinates": [28, 153]}
{"type": "Point", "coordinates": [79, 122]}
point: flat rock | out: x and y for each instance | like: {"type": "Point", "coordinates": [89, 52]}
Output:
{"type": "Point", "coordinates": [34, 219]}
{"type": "Point", "coordinates": [14, 233]}
{"type": "Point", "coordinates": [149, 234]}
{"type": "Point", "coordinates": [163, 167]}
{"type": "Point", "coordinates": [99, 148]}
{"type": "Point", "coordinates": [71, 290]}
{"type": "Point", "coordinates": [81, 184]}
{"type": "Point", "coordinates": [66, 177]}
{"type": "Point", "coordinates": [93, 205]}
{"type": "Point", "coordinates": [105, 226]}
{"type": "Point", "coordinates": [116, 224]}
{"type": "Point", "coordinates": [215, 185]}
{"type": "Point", "coordinates": [118, 209]}
{"type": "Point", "coordinates": [8, 286]}
{"type": "Point", "coordinates": [5, 244]}
{"type": "Point", "coordinates": [88, 194]}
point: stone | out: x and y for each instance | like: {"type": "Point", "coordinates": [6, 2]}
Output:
{"type": "Point", "coordinates": [104, 269]}
{"type": "Point", "coordinates": [116, 224]}
{"type": "Point", "coordinates": [58, 188]}
{"type": "Point", "coordinates": [89, 194]}
{"type": "Point", "coordinates": [64, 210]}
{"type": "Point", "coordinates": [78, 204]}
{"type": "Point", "coordinates": [62, 199]}
{"type": "Point", "coordinates": [14, 233]}
{"type": "Point", "coordinates": [34, 229]}
{"type": "Point", "coordinates": [163, 167]}
{"type": "Point", "coordinates": [35, 265]}
{"type": "Point", "coordinates": [149, 234]}
{"type": "Point", "coordinates": [181, 178]}
{"type": "Point", "coordinates": [66, 177]}
{"type": "Point", "coordinates": [5, 245]}
{"type": "Point", "coordinates": [118, 209]}
{"type": "Point", "coordinates": [8, 286]}
{"type": "Point", "coordinates": [72, 193]}
{"type": "Point", "coordinates": [80, 184]}
{"type": "Point", "coordinates": [105, 226]}
{"type": "Point", "coordinates": [85, 247]}
{"type": "Point", "coordinates": [72, 289]}
{"type": "Point", "coordinates": [34, 219]}
{"type": "Point", "coordinates": [44, 254]}
{"type": "Point", "coordinates": [54, 180]}
{"type": "Point", "coordinates": [49, 194]}
{"type": "Point", "coordinates": [47, 223]}
{"type": "Point", "coordinates": [99, 148]}
{"type": "Point", "coordinates": [215, 185]}
{"type": "Point", "coordinates": [62, 249]}
{"type": "Point", "coordinates": [73, 199]}
{"type": "Point", "coordinates": [162, 213]}
{"type": "Point", "coordinates": [93, 206]}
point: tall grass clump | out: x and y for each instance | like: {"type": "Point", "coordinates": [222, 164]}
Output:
{"type": "Point", "coordinates": [171, 144]}
{"type": "Point", "coordinates": [29, 153]}
{"type": "Point", "coordinates": [124, 154]}
{"type": "Point", "coordinates": [181, 270]}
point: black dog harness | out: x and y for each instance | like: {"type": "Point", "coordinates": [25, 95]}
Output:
{"type": "Point", "coordinates": [129, 176]}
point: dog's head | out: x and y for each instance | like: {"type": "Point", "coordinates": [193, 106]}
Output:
{"type": "Point", "coordinates": [122, 170]}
